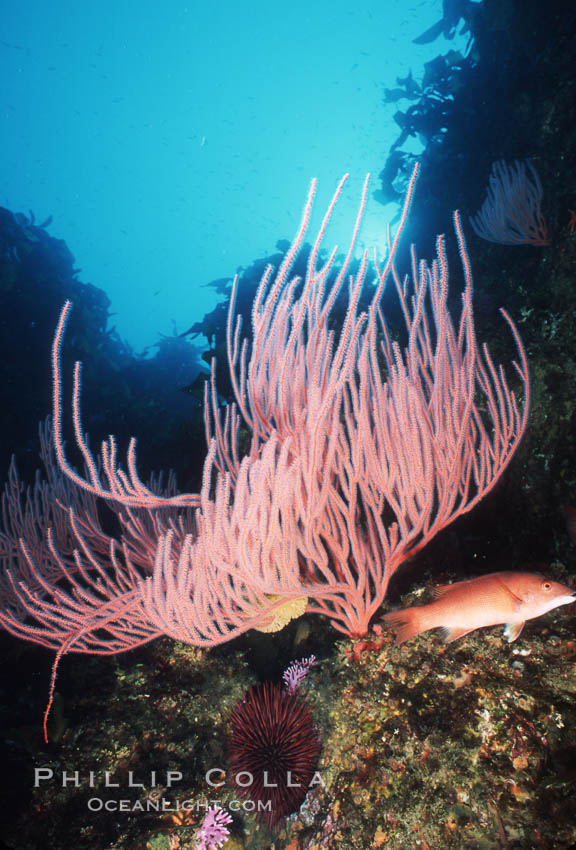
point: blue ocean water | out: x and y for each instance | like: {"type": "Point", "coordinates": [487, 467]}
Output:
{"type": "Point", "coordinates": [173, 142]}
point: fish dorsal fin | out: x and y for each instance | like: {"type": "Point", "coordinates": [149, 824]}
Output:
{"type": "Point", "coordinates": [512, 631]}
{"type": "Point", "coordinates": [441, 590]}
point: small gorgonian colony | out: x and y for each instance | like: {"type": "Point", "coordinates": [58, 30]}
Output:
{"type": "Point", "coordinates": [361, 451]}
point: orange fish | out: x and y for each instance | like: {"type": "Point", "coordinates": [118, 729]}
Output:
{"type": "Point", "coordinates": [509, 598]}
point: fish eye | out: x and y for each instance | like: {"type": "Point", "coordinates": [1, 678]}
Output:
{"type": "Point", "coordinates": [546, 585]}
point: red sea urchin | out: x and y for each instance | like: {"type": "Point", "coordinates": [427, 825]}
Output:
{"type": "Point", "coordinates": [274, 750]}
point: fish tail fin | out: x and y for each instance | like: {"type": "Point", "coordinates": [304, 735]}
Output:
{"type": "Point", "coordinates": [405, 624]}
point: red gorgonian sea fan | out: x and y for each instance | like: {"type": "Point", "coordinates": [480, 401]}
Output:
{"type": "Point", "coordinates": [362, 448]}
{"type": "Point", "coordinates": [274, 750]}
{"type": "Point", "coordinates": [511, 213]}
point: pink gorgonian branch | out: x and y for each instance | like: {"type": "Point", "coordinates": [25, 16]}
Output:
{"type": "Point", "coordinates": [511, 213]}
{"type": "Point", "coordinates": [416, 434]}
{"type": "Point", "coordinates": [363, 446]}
{"type": "Point", "coordinates": [104, 477]}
